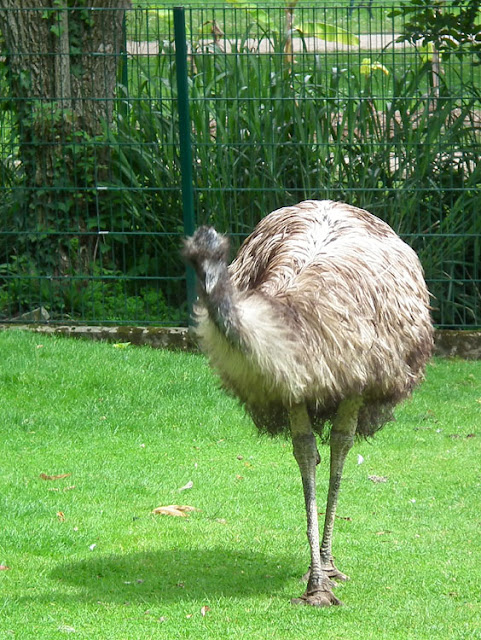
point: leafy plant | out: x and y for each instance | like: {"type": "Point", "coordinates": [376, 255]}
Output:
{"type": "Point", "coordinates": [451, 28]}
{"type": "Point", "coordinates": [270, 125]}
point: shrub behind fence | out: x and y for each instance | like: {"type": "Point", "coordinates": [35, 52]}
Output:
{"type": "Point", "coordinates": [284, 105]}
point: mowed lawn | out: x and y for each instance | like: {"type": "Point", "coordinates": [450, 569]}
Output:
{"type": "Point", "coordinates": [83, 555]}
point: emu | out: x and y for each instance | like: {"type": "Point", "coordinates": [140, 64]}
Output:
{"type": "Point", "coordinates": [320, 325]}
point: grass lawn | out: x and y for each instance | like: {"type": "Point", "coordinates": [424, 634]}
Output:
{"type": "Point", "coordinates": [87, 557]}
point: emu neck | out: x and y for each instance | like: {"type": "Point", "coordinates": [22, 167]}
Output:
{"type": "Point", "coordinates": [218, 297]}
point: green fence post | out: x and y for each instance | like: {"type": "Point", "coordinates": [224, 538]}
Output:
{"type": "Point", "coordinates": [185, 142]}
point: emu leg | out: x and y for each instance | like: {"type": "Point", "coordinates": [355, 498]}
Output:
{"type": "Point", "coordinates": [318, 592]}
{"type": "Point", "coordinates": [341, 441]}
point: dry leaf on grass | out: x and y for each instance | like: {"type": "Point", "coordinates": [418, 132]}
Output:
{"type": "Point", "coordinates": [121, 345]}
{"type": "Point", "coordinates": [65, 628]}
{"type": "Point", "coordinates": [377, 478]}
{"type": "Point", "coordinates": [61, 516]}
{"type": "Point", "coordinates": [44, 476]}
{"type": "Point", "coordinates": [189, 485]}
{"type": "Point", "coordinates": [4, 567]}
{"type": "Point", "coordinates": [179, 510]}
{"type": "Point", "coordinates": [204, 610]}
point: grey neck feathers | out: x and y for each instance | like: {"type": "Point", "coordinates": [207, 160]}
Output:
{"type": "Point", "coordinates": [218, 296]}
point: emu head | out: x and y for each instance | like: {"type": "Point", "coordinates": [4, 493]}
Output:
{"type": "Point", "coordinates": [208, 252]}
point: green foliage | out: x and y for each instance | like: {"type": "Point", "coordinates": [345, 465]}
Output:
{"type": "Point", "coordinates": [389, 131]}
{"type": "Point", "coordinates": [103, 296]}
{"type": "Point", "coordinates": [94, 244]}
{"type": "Point", "coordinates": [377, 135]}
{"type": "Point", "coordinates": [453, 28]}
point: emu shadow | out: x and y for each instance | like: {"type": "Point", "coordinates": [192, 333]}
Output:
{"type": "Point", "coordinates": [176, 574]}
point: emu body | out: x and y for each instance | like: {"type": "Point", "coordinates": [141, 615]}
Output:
{"type": "Point", "coordinates": [320, 325]}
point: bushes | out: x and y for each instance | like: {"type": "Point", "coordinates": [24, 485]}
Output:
{"type": "Point", "coordinates": [107, 249]}
{"type": "Point", "coordinates": [373, 131]}
{"type": "Point", "coordinates": [383, 130]}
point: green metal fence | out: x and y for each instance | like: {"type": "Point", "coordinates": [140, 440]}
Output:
{"type": "Point", "coordinates": [122, 129]}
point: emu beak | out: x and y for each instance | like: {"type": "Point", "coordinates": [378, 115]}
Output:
{"type": "Point", "coordinates": [212, 272]}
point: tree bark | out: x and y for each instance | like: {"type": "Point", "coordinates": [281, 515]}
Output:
{"type": "Point", "coordinates": [57, 52]}
{"type": "Point", "coordinates": [62, 59]}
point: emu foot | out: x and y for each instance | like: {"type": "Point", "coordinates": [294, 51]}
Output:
{"type": "Point", "coordinates": [318, 593]}
{"type": "Point", "coordinates": [331, 571]}
{"type": "Point", "coordinates": [322, 597]}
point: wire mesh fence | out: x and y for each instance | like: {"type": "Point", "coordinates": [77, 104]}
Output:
{"type": "Point", "coordinates": [338, 102]}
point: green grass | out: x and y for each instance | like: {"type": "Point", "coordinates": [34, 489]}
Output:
{"type": "Point", "coordinates": [132, 425]}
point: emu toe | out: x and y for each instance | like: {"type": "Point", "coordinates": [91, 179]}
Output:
{"type": "Point", "coordinates": [320, 598]}
{"type": "Point", "coordinates": [331, 571]}
{"type": "Point", "coordinates": [318, 593]}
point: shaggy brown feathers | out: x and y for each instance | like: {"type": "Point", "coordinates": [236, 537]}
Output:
{"type": "Point", "coordinates": [322, 302]}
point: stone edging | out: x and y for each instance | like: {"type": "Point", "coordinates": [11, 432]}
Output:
{"type": "Point", "coordinates": [461, 344]}
{"type": "Point", "coordinates": [175, 338]}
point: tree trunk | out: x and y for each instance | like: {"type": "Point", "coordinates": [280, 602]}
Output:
{"type": "Point", "coordinates": [62, 69]}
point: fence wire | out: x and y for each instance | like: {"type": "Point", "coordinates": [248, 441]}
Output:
{"type": "Point", "coordinates": [317, 102]}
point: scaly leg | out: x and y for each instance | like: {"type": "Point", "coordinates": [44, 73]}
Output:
{"type": "Point", "coordinates": [342, 439]}
{"type": "Point", "coordinates": [318, 592]}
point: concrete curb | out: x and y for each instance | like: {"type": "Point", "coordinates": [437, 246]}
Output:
{"type": "Point", "coordinates": [448, 344]}
{"type": "Point", "coordinates": [461, 344]}
{"type": "Point", "coordinates": [174, 338]}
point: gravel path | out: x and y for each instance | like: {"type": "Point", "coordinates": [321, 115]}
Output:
{"type": "Point", "coordinates": [371, 42]}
